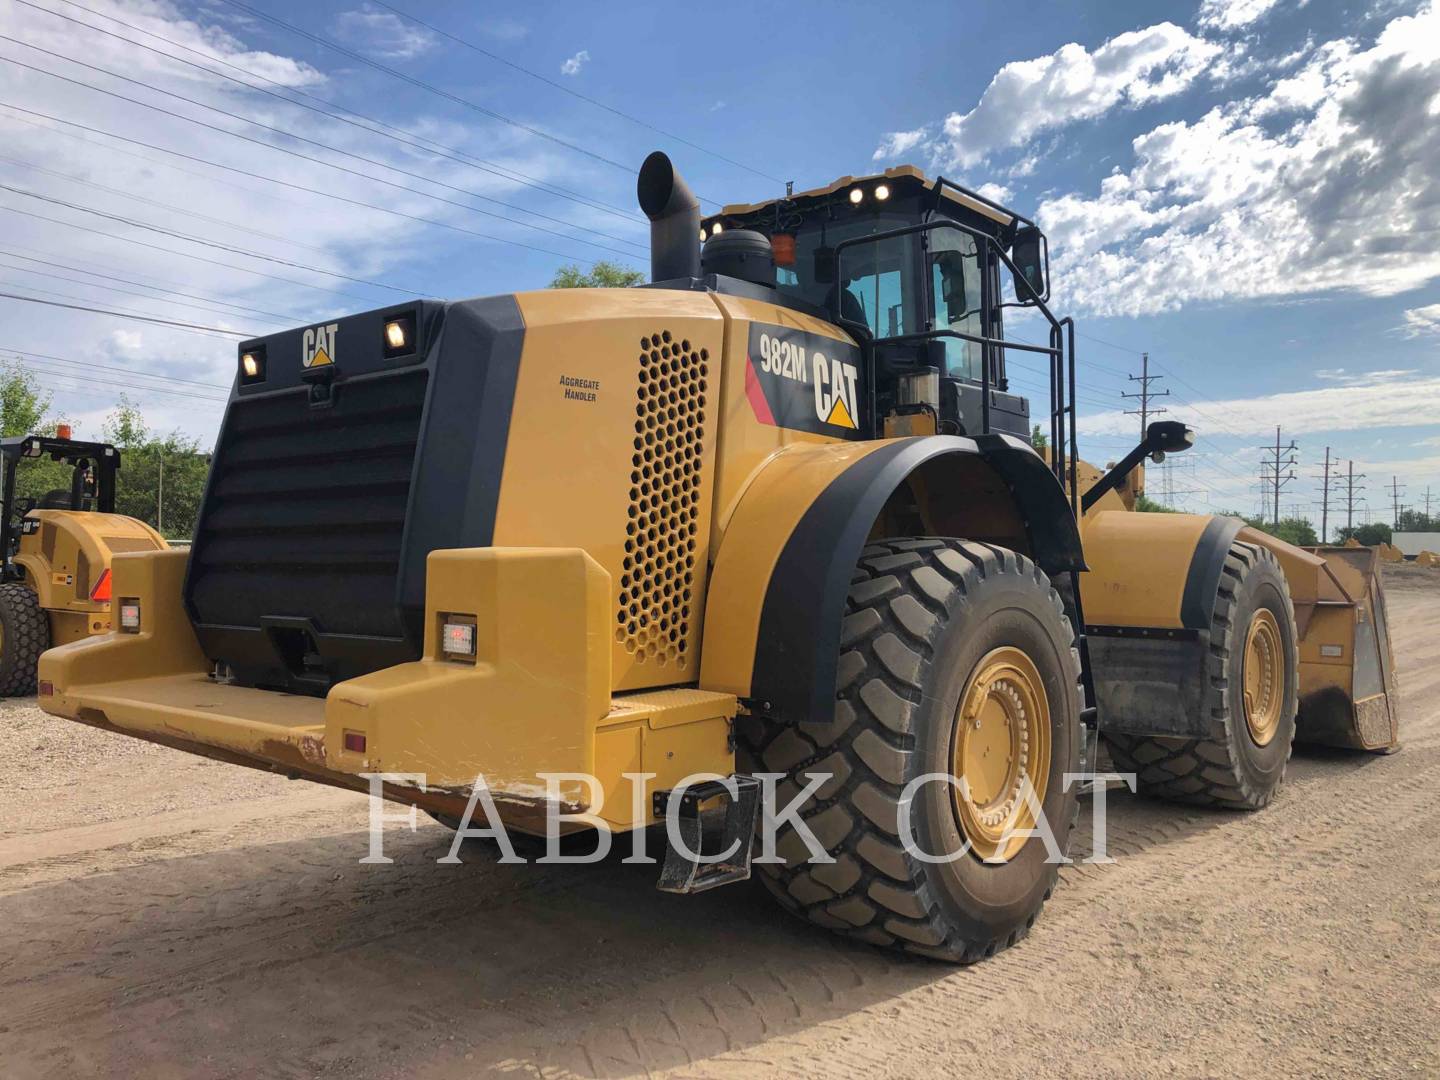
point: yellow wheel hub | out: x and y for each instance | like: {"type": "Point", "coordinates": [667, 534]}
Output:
{"type": "Point", "coordinates": [1001, 742]}
{"type": "Point", "coordinates": [1263, 677]}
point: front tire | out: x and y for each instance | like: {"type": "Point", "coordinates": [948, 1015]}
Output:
{"type": "Point", "coordinates": [1251, 698]}
{"type": "Point", "coordinates": [24, 635]}
{"type": "Point", "coordinates": [953, 655]}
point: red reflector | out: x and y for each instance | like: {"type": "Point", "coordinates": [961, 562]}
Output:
{"type": "Point", "coordinates": [102, 588]}
{"type": "Point", "coordinates": [355, 742]}
{"type": "Point", "coordinates": [47, 688]}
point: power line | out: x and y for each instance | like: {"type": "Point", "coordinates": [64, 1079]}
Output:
{"type": "Point", "coordinates": [573, 93]}
{"type": "Point", "coordinates": [108, 288]}
{"type": "Point", "coordinates": [183, 254]}
{"type": "Point", "coordinates": [124, 315]}
{"type": "Point", "coordinates": [287, 183]}
{"type": "Point", "coordinates": [217, 244]}
{"type": "Point", "coordinates": [140, 285]}
{"type": "Point", "coordinates": [304, 139]}
{"type": "Point", "coordinates": [29, 353]}
{"type": "Point", "coordinates": [457, 99]}
{"type": "Point", "coordinates": [383, 128]}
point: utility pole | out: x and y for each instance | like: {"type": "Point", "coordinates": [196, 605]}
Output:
{"type": "Point", "coordinates": [1279, 470]}
{"type": "Point", "coordinates": [1145, 394]}
{"type": "Point", "coordinates": [1325, 500]}
{"type": "Point", "coordinates": [1427, 506]}
{"type": "Point", "coordinates": [1395, 498]}
{"type": "Point", "coordinates": [160, 500]}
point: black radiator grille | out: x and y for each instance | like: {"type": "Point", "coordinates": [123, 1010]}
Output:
{"type": "Point", "coordinates": [306, 509]}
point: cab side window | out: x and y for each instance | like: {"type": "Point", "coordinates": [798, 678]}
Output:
{"type": "Point", "coordinates": [955, 292]}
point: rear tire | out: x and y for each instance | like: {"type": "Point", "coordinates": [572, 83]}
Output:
{"type": "Point", "coordinates": [924, 620]}
{"type": "Point", "coordinates": [1242, 762]}
{"type": "Point", "coordinates": [24, 635]}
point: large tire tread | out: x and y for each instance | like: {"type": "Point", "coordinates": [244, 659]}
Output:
{"type": "Point", "coordinates": [1207, 772]}
{"type": "Point", "coordinates": [27, 635]}
{"type": "Point", "coordinates": [901, 595]}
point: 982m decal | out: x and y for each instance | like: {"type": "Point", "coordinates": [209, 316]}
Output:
{"type": "Point", "coordinates": [804, 382]}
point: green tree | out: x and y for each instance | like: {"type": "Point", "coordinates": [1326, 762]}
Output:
{"type": "Point", "coordinates": [1417, 521]}
{"type": "Point", "coordinates": [1369, 535]}
{"type": "Point", "coordinates": [1293, 530]}
{"type": "Point", "coordinates": [603, 275]}
{"type": "Point", "coordinates": [162, 477]}
{"type": "Point", "coordinates": [1038, 439]}
{"type": "Point", "coordinates": [25, 409]}
{"type": "Point", "coordinates": [1146, 505]}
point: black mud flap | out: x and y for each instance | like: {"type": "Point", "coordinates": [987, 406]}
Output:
{"type": "Point", "coordinates": [1150, 681]}
{"type": "Point", "coordinates": [682, 873]}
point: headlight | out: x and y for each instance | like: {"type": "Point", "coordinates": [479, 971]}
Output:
{"type": "Point", "coordinates": [856, 195]}
{"type": "Point", "coordinates": [882, 192]}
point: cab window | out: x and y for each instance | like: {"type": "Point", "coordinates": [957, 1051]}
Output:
{"type": "Point", "coordinates": [878, 286]}
{"type": "Point", "coordinates": [955, 293]}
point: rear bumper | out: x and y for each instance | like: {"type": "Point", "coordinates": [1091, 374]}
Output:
{"type": "Point", "coordinates": [536, 701]}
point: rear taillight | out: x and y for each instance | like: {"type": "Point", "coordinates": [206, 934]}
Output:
{"type": "Point", "coordinates": [130, 616]}
{"type": "Point", "coordinates": [457, 640]}
{"type": "Point", "coordinates": [101, 591]}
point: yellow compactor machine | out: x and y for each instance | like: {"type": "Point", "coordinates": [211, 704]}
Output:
{"type": "Point", "coordinates": [55, 577]}
{"type": "Point", "coordinates": [777, 514]}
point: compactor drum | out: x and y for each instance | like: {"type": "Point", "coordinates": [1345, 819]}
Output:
{"type": "Point", "coordinates": [763, 544]}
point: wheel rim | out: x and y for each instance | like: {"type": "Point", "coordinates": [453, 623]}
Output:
{"type": "Point", "coordinates": [1002, 739]}
{"type": "Point", "coordinates": [1263, 677]}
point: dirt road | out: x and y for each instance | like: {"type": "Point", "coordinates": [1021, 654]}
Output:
{"type": "Point", "coordinates": [163, 916]}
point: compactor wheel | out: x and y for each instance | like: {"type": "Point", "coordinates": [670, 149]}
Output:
{"type": "Point", "coordinates": [1252, 698]}
{"type": "Point", "coordinates": [24, 635]}
{"type": "Point", "coordinates": [955, 658]}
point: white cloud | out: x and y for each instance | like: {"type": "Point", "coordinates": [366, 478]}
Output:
{"type": "Point", "coordinates": [1027, 97]}
{"type": "Point", "coordinates": [383, 33]}
{"type": "Point", "coordinates": [1232, 14]}
{"type": "Point", "coordinates": [895, 143]}
{"type": "Point", "coordinates": [1422, 320]}
{"type": "Point", "coordinates": [995, 192]}
{"type": "Point", "coordinates": [220, 204]}
{"type": "Point", "coordinates": [573, 65]}
{"type": "Point", "coordinates": [1362, 402]}
{"type": "Point", "coordinates": [1328, 180]}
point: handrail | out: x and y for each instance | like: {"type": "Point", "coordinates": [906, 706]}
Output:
{"type": "Point", "coordinates": [1061, 350]}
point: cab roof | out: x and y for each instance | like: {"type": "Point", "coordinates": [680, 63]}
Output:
{"type": "Point", "coordinates": [907, 179]}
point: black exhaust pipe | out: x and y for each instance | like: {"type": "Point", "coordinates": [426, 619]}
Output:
{"type": "Point", "coordinates": [674, 215]}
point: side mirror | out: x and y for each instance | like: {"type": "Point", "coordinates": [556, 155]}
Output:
{"type": "Point", "coordinates": [1030, 253]}
{"type": "Point", "coordinates": [1167, 437]}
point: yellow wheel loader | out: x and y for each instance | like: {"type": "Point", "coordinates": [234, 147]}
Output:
{"type": "Point", "coordinates": [55, 580]}
{"type": "Point", "coordinates": [765, 539]}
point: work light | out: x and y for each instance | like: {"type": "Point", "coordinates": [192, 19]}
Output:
{"type": "Point", "coordinates": [399, 336]}
{"type": "Point", "coordinates": [252, 365]}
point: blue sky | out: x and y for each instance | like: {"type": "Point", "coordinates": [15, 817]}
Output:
{"type": "Point", "coordinates": [1249, 190]}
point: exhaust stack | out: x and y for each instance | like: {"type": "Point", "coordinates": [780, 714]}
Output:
{"type": "Point", "coordinates": [674, 215]}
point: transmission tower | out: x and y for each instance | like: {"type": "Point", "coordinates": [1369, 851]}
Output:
{"type": "Point", "coordinates": [1325, 499]}
{"type": "Point", "coordinates": [1145, 394]}
{"type": "Point", "coordinates": [1395, 494]}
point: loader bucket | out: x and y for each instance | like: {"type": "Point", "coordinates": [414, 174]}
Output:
{"type": "Point", "coordinates": [1347, 672]}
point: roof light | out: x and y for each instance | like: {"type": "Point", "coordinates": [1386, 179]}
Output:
{"type": "Point", "coordinates": [62, 431]}
{"type": "Point", "coordinates": [716, 229]}
{"type": "Point", "coordinates": [856, 194]}
{"type": "Point", "coordinates": [882, 192]}
{"type": "Point", "coordinates": [395, 335]}
{"type": "Point", "coordinates": [702, 234]}
{"type": "Point", "coordinates": [101, 592]}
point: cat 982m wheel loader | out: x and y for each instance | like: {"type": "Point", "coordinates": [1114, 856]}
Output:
{"type": "Point", "coordinates": [776, 512]}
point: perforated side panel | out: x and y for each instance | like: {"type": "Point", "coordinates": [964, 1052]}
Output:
{"type": "Point", "coordinates": [656, 588]}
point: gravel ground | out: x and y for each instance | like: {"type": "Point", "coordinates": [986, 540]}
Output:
{"type": "Point", "coordinates": [165, 916]}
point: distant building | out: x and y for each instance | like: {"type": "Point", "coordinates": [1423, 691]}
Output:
{"type": "Point", "coordinates": [1412, 543]}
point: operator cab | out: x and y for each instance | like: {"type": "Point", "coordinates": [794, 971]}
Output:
{"type": "Point", "coordinates": [914, 269]}
{"type": "Point", "coordinates": [92, 465]}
